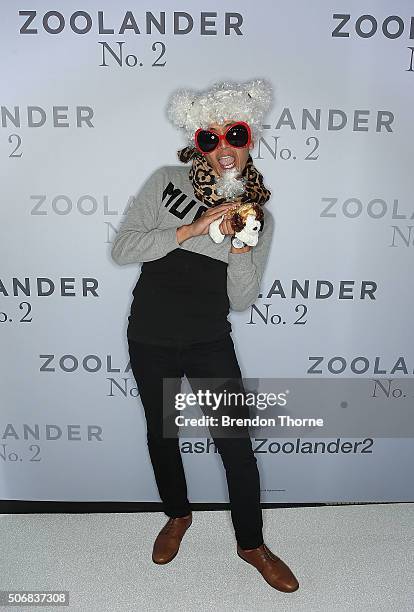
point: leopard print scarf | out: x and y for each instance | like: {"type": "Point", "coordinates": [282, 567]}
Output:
{"type": "Point", "coordinates": [203, 180]}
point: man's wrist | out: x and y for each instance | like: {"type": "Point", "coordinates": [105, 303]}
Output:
{"type": "Point", "coordinates": [184, 232]}
{"type": "Point", "coordinates": [245, 249]}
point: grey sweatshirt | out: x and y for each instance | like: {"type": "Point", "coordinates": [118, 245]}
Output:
{"type": "Point", "coordinates": [165, 202]}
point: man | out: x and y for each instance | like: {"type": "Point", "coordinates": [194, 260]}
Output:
{"type": "Point", "coordinates": [178, 323]}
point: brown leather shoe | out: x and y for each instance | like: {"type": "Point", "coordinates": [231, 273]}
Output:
{"type": "Point", "coordinates": [274, 570]}
{"type": "Point", "coordinates": [168, 540]}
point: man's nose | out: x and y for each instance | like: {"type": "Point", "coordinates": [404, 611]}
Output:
{"type": "Point", "coordinates": [223, 144]}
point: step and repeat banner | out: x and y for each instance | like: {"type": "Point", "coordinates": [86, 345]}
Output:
{"type": "Point", "coordinates": [83, 125]}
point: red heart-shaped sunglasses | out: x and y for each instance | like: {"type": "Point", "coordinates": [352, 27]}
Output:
{"type": "Point", "coordinates": [237, 135]}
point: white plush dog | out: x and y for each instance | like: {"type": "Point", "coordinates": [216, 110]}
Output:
{"type": "Point", "coordinates": [246, 220]}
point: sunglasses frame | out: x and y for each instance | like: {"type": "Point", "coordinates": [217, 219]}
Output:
{"type": "Point", "coordinates": [223, 136]}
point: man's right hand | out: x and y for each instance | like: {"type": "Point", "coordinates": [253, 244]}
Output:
{"type": "Point", "coordinates": [201, 225]}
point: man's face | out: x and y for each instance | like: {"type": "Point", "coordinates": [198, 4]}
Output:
{"type": "Point", "coordinates": [225, 150]}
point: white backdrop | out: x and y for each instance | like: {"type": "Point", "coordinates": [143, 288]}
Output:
{"type": "Point", "coordinates": [80, 132]}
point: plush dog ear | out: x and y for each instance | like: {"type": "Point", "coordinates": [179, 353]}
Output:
{"type": "Point", "coordinates": [259, 212]}
{"type": "Point", "coordinates": [179, 105]}
{"type": "Point", "coordinates": [237, 222]}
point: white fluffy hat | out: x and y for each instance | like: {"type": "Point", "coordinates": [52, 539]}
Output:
{"type": "Point", "coordinates": [248, 101]}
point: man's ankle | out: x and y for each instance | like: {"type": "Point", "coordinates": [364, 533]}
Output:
{"type": "Point", "coordinates": [251, 547]}
{"type": "Point", "coordinates": [181, 516]}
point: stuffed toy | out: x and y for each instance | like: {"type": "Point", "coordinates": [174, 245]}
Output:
{"type": "Point", "coordinates": [246, 221]}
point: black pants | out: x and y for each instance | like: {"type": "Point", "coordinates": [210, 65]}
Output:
{"type": "Point", "coordinates": [149, 364]}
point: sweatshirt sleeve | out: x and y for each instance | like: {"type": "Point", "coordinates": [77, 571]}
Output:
{"type": "Point", "coordinates": [245, 270]}
{"type": "Point", "coordinates": [138, 238]}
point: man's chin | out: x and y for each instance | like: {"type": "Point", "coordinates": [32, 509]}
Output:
{"type": "Point", "coordinates": [229, 184]}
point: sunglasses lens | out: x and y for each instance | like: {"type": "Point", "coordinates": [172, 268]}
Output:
{"type": "Point", "coordinates": [207, 141]}
{"type": "Point", "coordinates": [238, 136]}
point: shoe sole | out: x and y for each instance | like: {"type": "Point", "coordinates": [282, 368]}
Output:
{"type": "Point", "coordinates": [273, 587]}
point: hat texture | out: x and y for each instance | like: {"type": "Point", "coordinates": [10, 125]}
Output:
{"type": "Point", "coordinates": [226, 100]}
